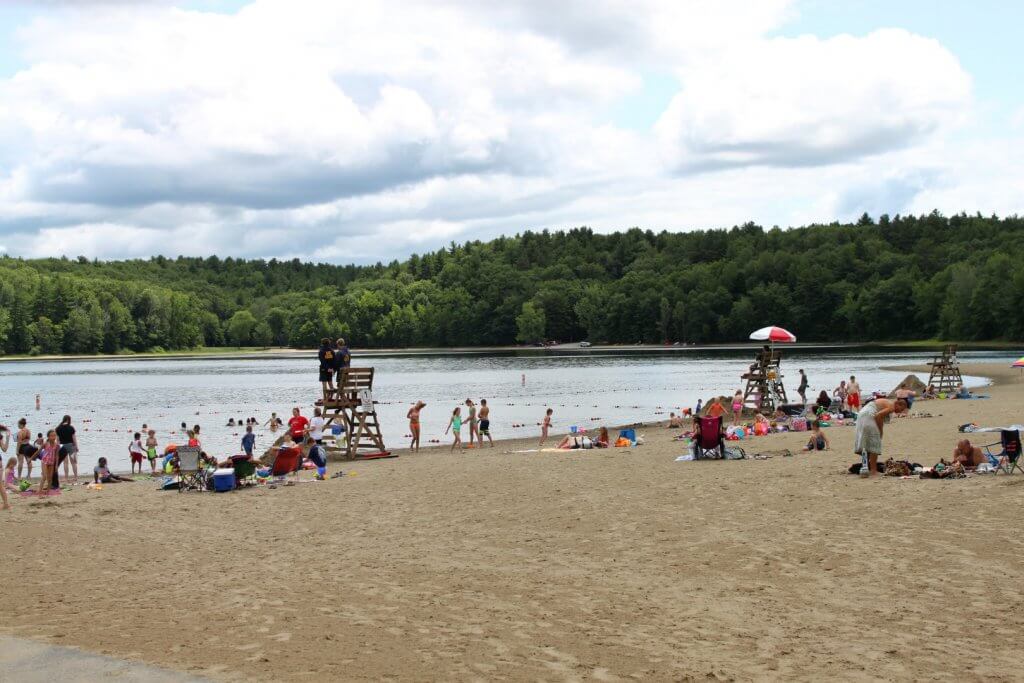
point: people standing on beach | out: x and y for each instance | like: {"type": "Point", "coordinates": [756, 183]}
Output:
{"type": "Point", "coordinates": [455, 424]}
{"type": "Point", "coordinates": [316, 426]}
{"type": "Point", "coordinates": [840, 393]}
{"type": "Point", "coordinates": [414, 425]}
{"type": "Point", "coordinates": [10, 483]}
{"type": "Point", "coordinates": [853, 394]}
{"type": "Point", "coordinates": [24, 448]}
{"type": "Point", "coordinates": [248, 442]}
{"type": "Point", "coordinates": [715, 408]}
{"type": "Point", "coordinates": [696, 411]}
{"type": "Point", "coordinates": [342, 358]}
{"type": "Point", "coordinates": [137, 452]}
{"type": "Point", "coordinates": [545, 426]}
{"type": "Point", "coordinates": [326, 357]}
{"type": "Point", "coordinates": [474, 433]}
{"type": "Point", "coordinates": [68, 448]}
{"type": "Point", "coordinates": [485, 423]}
{"type": "Point", "coordinates": [5, 441]}
{"type": "Point", "coordinates": [870, 425]}
{"type": "Point", "coordinates": [151, 449]}
{"type": "Point", "coordinates": [802, 389]}
{"type": "Point", "coordinates": [737, 406]}
{"type": "Point", "coordinates": [48, 460]}
{"type": "Point", "coordinates": [297, 425]}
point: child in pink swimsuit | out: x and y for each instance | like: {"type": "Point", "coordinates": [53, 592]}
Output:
{"type": "Point", "coordinates": [49, 460]}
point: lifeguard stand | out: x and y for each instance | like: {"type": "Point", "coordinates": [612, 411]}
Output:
{"type": "Point", "coordinates": [764, 390]}
{"type": "Point", "coordinates": [351, 405]}
{"type": "Point", "coordinates": [945, 375]}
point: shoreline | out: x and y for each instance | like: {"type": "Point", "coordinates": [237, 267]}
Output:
{"type": "Point", "coordinates": [613, 563]}
{"type": "Point", "coordinates": [213, 353]}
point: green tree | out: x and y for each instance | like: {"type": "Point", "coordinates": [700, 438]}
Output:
{"type": "Point", "coordinates": [240, 328]}
{"type": "Point", "coordinates": [530, 324]}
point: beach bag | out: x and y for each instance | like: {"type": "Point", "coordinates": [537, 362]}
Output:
{"type": "Point", "coordinates": [799, 424]}
{"type": "Point", "coordinates": [735, 453]}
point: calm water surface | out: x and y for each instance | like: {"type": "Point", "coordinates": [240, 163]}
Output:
{"type": "Point", "coordinates": [109, 399]}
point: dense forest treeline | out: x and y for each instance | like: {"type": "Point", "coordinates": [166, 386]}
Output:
{"type": "Point", "coordinates": [901, 278]}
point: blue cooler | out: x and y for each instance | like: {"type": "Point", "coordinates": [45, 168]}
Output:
{"type": "Point", "coordinates": [223, 479]}
{"type": "Point", "coordinates": [337, 429]}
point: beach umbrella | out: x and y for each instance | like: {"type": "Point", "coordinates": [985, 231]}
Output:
{"type": "Point", "coordinates": [774, 334]}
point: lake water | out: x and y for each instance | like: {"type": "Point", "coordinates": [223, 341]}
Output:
{"type": "Point", "coordinates": [108, 399]}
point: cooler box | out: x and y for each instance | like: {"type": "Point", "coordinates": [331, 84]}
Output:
{"type": "Point", "coordinates": [223, 479]}
{"type": "Point", "coordinates": [337, 429]}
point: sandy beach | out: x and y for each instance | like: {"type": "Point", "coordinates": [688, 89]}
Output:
{"type": "Point", "coordinates": [582, 565]}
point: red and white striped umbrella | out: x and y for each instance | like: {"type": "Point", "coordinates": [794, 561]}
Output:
{"type": "Point", "coordinates": [773, 334]}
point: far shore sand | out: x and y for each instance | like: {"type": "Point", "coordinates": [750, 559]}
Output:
{"type": "Point", "coordinates": [214, 353]}
{"type": "Point", "coordinates": [580, 565]}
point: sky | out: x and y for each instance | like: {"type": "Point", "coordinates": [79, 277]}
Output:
{"type": "Point", "coordinates": [354, 132]}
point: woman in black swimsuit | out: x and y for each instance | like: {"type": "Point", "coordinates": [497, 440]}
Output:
{"type": "Point", "coordinates": [25, 449]}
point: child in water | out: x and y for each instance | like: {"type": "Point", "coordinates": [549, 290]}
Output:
{"type": "Point", "coordinates": [455, 424]}
{"type": "Point", "coordinates": [545, 426]}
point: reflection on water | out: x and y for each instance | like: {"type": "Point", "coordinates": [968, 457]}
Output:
{"type": "Point", "coordinates": [586, 389]}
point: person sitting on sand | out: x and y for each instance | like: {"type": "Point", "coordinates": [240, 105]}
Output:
{"type": "Point", "coordinates": [675, 421]}
{"type": "Point", "coordinates": [967, 455]}
{"type": "Point", "coordinates": [930, 392]}
{"type": "Point", "coordinates": [962, 392]}
{"type": "Point", "coordinates": [101, 474]}
{"type": "Point", "coordinates": [818, 440]}
{"type": "Point", "coordinates": [603, 440]}
{"type": "Point", "coordinates": [823, 403]}
{"type": "Point", "coordinates": [577, 440]}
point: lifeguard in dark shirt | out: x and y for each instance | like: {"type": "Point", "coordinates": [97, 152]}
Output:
{"type": "Point", "coordinates": [326, 355]}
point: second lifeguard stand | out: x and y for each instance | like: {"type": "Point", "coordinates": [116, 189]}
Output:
{"type": "Point", "coordinates": [945, 375]}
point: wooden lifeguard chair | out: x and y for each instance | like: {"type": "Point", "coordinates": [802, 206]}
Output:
{"type": "Point", "coordinates": [945, 375]}
{"type": "Point", "coordinates": [765, 390]}
{"type": "Point", "coordinates": [351, 405]}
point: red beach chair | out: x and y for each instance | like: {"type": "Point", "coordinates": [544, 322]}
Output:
{"type": "Point", "coordinates": [287, 461]}
{"type": "Point", "coordinates": [710, 443]}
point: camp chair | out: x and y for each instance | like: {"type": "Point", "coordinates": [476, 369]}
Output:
{"type": "Point", "coordinates": [287, 461]}
{"type": "Point", "coordinates": [191, 474]}
{"type": "Point", "coordinates": [245, 469]}
{"type": "Point", "coordinates": [711, 441]}
{"type": "Point", "coordinates": [1008, 459]}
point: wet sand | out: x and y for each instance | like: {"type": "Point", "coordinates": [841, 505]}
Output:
{"type": "Point", "coordinates": [606, 565]}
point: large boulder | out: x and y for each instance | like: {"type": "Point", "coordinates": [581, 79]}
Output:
{"type": "Point", "coordinates": [912, 382]}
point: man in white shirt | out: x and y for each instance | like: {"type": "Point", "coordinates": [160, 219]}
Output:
{"type": "Point", "coordinates": [315, 429]}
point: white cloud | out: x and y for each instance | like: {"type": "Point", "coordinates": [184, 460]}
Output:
{"type": "Point", "coordinates": [353, 130]}
{"type": "Point", "coordinates": [805, 101]}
